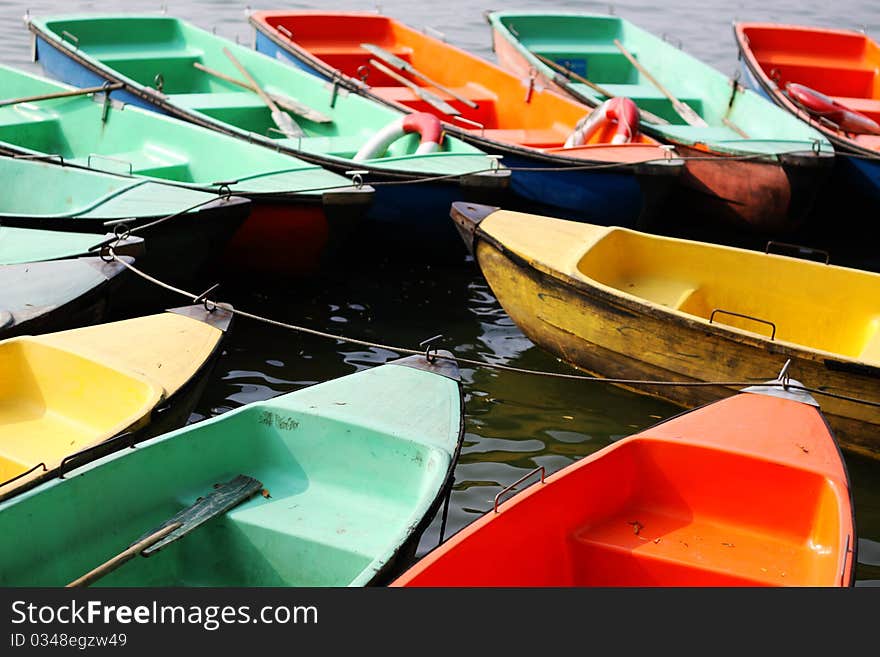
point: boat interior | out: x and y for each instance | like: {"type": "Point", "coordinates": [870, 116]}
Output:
{"type": "Point", "coordinates": [585, 46]}
{"type": "Point", "coordinates": [844, 65]}
{"type": "Point", "coordinates": [507, 111]}
{"type": "Point", "coordinates": [657, 513]}
{"type": "Point", "coordinates": [803, 306]}
{"type": "Point", "coordinates": [48, 409]}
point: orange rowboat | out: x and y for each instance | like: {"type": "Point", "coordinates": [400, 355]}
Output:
{"type": "Point", "coordinates": [747, 491]}
{"type": "Point", "coordinates": [481, 103]}
{"type": "Point", "coordinates": [826, 77]}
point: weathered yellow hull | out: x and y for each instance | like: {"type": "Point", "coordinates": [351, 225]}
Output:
{"type": "Point", "coordinates": [616, 336]}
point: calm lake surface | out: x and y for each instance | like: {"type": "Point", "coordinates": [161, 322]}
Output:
{"type": "Point", "coordinates": [514, 422]}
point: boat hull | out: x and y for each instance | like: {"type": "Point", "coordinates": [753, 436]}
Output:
{"type": "Point", "coordinates": [609, 336]}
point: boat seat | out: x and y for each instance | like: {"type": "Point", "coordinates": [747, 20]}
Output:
{"type": "Point", "coordinates": [843, 78]}
{"type": "Point", "coordinates": [672, 294]}
{"type": "Point", "coordinates": [563, 50]}
{"type": "Point", "coordinates": [665, 547]}
{"type": "Point", "coordinates": [217, 100]}
{"type": "Point", "coordinates": [547, 138]}
{"type": "Point", "coordinates": [146, 162]}
{"type": "Point", "coordinates": [300, 529]}
{"type": "Point", "coordinates": [151, 52]}
{"type": "Point", "coordinates": [708, 135]}
{"type": "Point", "coordinates": [339, 145]}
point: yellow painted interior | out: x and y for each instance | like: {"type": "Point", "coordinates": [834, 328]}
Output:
{"type": "Point", "coordinates": [54, 402]}
{"type": "Point", "coordinates": [817, 306]}
{"type": "Point", "coordinates": [167, 348]}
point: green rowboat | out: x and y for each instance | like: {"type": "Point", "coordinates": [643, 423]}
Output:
{"type": "Point", "coordinates": [351, 472]}
{"type": "Point", "coordinates": [584, 44]}
{"type": "Point", "coordinates": [174, 67]}
{"type": "Point", "coordinates": [298, 209]}
{"type": "Point", "coordinates": [53, 197]}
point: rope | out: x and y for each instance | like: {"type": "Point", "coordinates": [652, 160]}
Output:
{"type": "Point", "coordinates": [477, 363]}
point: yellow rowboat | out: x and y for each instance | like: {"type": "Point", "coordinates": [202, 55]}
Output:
{"type": "Point", "coordinates": [70, 397]}
{"type": "Point", "coordinates": [624, 304]}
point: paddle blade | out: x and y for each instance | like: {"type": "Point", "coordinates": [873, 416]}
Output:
{"type": "Point", "coordinates": [286, 124]}
{"type": "Point", "coordinates": [224, 497]}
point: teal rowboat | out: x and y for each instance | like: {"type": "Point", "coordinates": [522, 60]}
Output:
{"type": "Point", "coordinates": [171, 66]}
{"type": "Point", "coordinates": [22, 245]}
{"type": "Point", "coordinates": [54, 197]}
{"type": "Point", "coordinates": [39, 297]}
{"type": "Point", "coordinates": [739, 123]}
{"type": "Point", "coordinates": [352, 471]}
{"type": "Point", "coordinates": [299, 210]}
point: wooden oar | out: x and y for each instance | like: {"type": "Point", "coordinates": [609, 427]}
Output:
{"type": "Point", "coordinates": [224, 497]}
{"type": "Point", "coordinates": [403, 65]}
{"type": "Point", "coordinates": [62, 94]}
{"type": "Point", "coordinates": [571, 75]}
{"type": "Point", "coordinates": [284, 102]}
{"type": "Point", "coordinates": [684, 110]}
{"type": "Point", "coordinates": [432, 99]}
{"type": "Point", "coordinates": [281, 119]}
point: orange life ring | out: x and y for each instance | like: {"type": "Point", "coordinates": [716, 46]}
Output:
{"type": "Point", "coordinates": [620, 111]}
{"type": "Point", "coordinates": [426, 125]}
{"type": "Point", "coordinates": [821, 106]}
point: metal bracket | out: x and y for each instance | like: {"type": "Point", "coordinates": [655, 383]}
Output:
{"type": "Point", "coordinates": [203, 298]}
{"type": "Point", "coordinates": [476, 124]}
{"type": "Point", "coordinates": [540, 469]}
{"type": "Point", "coordinates": [430, 349]}
{"type": "Point", "coordinates": [110, 159]}
{"type": "Point", "coordinates": [799, 248]}
{"type": "Point", "coordinates": [749, 317]}
{"type": "Point", "coordinates": [71, 37]}
{"type": "Point", "coordinates": [357, 177]}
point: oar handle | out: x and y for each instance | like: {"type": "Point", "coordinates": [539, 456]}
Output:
{"type": "Point", "coordinates": [427, 96]}
{"type": "Point", "coordinates": [683, 109]}
{"type": "Point", "coordinates": [62, 94]}
{"type": "Point", "coordinates": [257, 88]}
{"type": "Point", "coordinates": [126, 555]}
